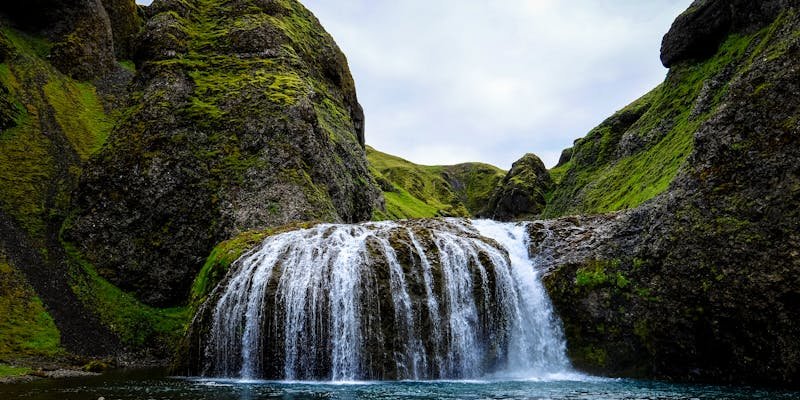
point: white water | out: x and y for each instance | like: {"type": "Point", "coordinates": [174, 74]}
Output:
{"type": "Point", "coordinates": [386, 301]}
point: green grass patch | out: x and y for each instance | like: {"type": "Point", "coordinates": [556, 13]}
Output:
{"type": "Point", "coordinates": [420, 191]}
{"type": "Point", "coordinates": [128, 65]}
{"type": "Point", "coordinates": [10, 371]}
{"type": "Point", "coordinates": [26, 329]}
{"type": "Point", "coordinates": [591, 276]}
{"type": "Point", "coordinates": [80, 115]}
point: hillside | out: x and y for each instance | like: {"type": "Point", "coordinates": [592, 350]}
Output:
{"type": "Point", "coordinates": [637, 153]}
{"type": "Point", "coordinates": [419, 191]}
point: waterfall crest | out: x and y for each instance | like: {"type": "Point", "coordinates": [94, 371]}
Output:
{"type": "Point", "coordinates": [435, 299]}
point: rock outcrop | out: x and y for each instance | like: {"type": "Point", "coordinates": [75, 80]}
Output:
{"type": "Point", "coordinates": [698, 32]}
{"type": "Point", "coordinates": [703, 281]}
{"type": "Point", "coordinates": [243, 117]}
{"type": "Point", "coordinates": [80, 32]}
{"type": "Point", "coordinates": [521, 194]}
{"type": "Point", "coordinates": [126, 22]}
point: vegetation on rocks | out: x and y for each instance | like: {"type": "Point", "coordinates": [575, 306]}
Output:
{"type": "Point", "coordinates": [700, 282]}
{"type": "Point", "coordinates": [244, 116]}
{"type": "Point", "coordinates": [50, 125]}
{"type": "Point", "coordinates": [225, 253]}
{"type": "Point", "coordinates": [522, 192]}
{"type": "Point", "coordinates": [635, 155]}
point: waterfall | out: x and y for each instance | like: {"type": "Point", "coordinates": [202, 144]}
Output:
{"type": "Point", "coordinates": [435, 299]}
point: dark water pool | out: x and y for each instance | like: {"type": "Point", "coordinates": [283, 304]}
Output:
{"type": "Point", "coordinates": [146, 385]}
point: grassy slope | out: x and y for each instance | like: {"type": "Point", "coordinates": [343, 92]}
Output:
{"type": "Point", "coordinates": [27, 162]}
{"type": "Point", "coordinates": [419, 191]}
{"type": "Point", "coordinates": [600, 179]}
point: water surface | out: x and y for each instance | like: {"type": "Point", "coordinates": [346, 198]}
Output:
{"type": "Point", "coordinates": [145, 385]}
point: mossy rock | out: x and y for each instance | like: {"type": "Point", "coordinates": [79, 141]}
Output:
{"type": "Point", "coordinates": [521, 194]}
{"type": "Point", "coordinates": [635, 155]}
{"type": "Point", "coordinates": [700, 282]}
{"type": "Point", "coordinates": [245, 117]}
{"type": "Point", "coordinates": [26, 329]}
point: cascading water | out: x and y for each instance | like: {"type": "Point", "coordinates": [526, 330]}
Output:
{"type": "Point", "coordinates": [392, 300]}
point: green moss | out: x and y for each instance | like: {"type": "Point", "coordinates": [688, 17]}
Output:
{"type": "Point", "coordinates": [128, 65]}
{"type": "Point", "coordinates": [135, 323]}
{"type": "Point", "coordinates": [592, 275]}
{"type": "Point", "coordinates": [36, 171]}
{"type": "Point", "coordinates": [26, 329]}
{"type": "Point", "coordinates": [225, 253]}
{"type": "Point", "coordinates": [557, 173]}
{"type": "Point", "coordinates": [80, 115]}
{"type": "Point", "coordinates": [600, 179]}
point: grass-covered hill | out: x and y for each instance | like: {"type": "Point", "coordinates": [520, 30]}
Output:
{"type": "Point", "coordinates": [420, 191]}
{"type": "Point", "coordinates": [636, 154]}
{"type": "Point", "coordinates": [243, 116]}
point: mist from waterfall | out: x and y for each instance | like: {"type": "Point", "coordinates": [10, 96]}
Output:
{"type": "Point", "coordinates": [442, 299]}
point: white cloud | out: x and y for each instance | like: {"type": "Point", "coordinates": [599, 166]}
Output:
{"type": "Point", "coordinates": [494, 80]}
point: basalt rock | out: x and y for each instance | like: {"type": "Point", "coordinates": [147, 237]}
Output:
{"type": "Point", "coordinates": [521, 194]}
{"type": "Point", "coordinates": [81, 31]}
{"type": "Point", "coordinates": [703, 281]}
{"type": "Point", "coordinates": [126, 22]}
{"type": "Point", "coordinates": [246, 117]}
{"type": "Point", "coordinates": [697, 33]}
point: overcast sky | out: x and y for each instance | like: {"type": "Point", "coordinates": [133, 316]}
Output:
{"type": "Point", "coordinates": [449, 81]}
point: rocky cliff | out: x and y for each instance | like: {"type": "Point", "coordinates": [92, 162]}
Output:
{"type": "Point", "coordinates": [701, 281]}
{"type": "Point", "coordinates": [50, 124]}
{"type": "Point", "coordinates": [119, 176]}
{"type": "Point", "coordinates": [243, 116]}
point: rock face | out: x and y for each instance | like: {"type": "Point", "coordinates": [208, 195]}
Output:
{"type": "Point", "coordinates": [243, 117]}
{"type": "Point", "coordinates": [126, 22]}
{"type": "Point", "coordinates": [703, 281]}
{"type": "Point", "coordinates": [50, 124]}
{"type": "Point", "coordinates": [83, 44]}
{"type": "Point", "coordinates": [521, 194]}
{"type": "Point", "coordinates": [635, 154]}
{"type": "Point", "coordinates": [697, 33]}
{"type": "Point", "coordinates": [88, 35]}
